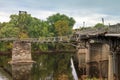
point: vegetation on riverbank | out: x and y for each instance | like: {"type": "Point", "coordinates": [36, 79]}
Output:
{"type": "Point", "coordinates": [24, 25]}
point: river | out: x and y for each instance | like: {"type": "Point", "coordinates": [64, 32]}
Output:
{"type": "Point", "coordinates": [46, 67]}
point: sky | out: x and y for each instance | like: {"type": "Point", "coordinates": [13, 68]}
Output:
{"type": "Point", "coordinates": [89, 11]}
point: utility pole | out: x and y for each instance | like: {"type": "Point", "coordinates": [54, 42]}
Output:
{"type": "Point", "coordinates": [103, 20]}
{"type": "Point", "coordinates": [83, 23]}
{"type": "Point", "coordinates": [109, 24]}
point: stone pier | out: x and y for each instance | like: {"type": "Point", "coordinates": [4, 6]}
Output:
{"type": "Point", "coordinates": [21, 71]}
{"type": "Point", "coordinates": [21, 52]}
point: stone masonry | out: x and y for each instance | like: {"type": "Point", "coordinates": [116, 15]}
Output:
{"type": "Point", "coordinates": [21, 52]}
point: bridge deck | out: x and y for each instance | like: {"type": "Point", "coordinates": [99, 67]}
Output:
{"type": "Point", "coordinates": [65, 39]}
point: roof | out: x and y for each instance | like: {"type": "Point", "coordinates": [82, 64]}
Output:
{"type": "Point", "coordinates": [112, 35]}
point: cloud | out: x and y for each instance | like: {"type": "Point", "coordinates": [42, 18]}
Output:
{"type": "Point", "coordinates": [4, 17]}
{"type": "Point", "coordinates": [89, 11]}
{"type": "Point", "coordinates": [41, 14]}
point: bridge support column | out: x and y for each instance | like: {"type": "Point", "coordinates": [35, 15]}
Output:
{"type": "Point", "coordinates": [21, 52]}
{"type": "Point", "coordinates": [87, 60]}
{"type": "Point", "coordinates": [110, 68]}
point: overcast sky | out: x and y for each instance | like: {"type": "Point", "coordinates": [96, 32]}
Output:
{"type": "Point", "coordinates": [88, 11]}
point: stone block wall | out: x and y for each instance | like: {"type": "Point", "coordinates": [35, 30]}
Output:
{"type": "Point", "coordinates": [21, 52]}
{"type": "Point", "coordinates": [99, 52]}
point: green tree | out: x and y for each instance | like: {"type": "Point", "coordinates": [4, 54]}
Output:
{"type": "Point", "coordinates": [62, 28]}
{"type": "Point", "coordinates": [31, 26]}
{"type": "Point", "coordinates": [99, 25]}
{"type": "Point", "coordinates": [9, 31]}
{"type": "Point", "coordinates": [60, 17]}
{"type": "Point", "coordinates": [21, 21]}
{"type": "Point", "coordinates": [38, 28]}
{"type": "Point", "coordinates": [14, 19]}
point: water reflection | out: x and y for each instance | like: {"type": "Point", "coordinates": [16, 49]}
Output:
{"type": "Point", "coordinates": [5, 68]}
{"type": "Point", "coordinates": [3, 76]}
{"type": "Point", "coordinates": [47, 67]}
{"type": "Point", "coordinates": [73, 70]}
{"type": "Point", "coordinates": [52, 67]}
{"type": "Point", "coordinates": [21, 71]}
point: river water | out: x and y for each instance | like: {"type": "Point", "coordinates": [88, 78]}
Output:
{"type": "Point", "coordinates": [46, 67]}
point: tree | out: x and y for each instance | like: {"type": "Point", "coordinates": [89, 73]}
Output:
{"type": "Point", "coordinates": [14, 19]}
{"type": "Point", "coordinates": [9, 31]}
{"type": "Point", "coordinates": [23, 25]}
{"type": "Point", "coordinates": [62, 28]}
{"type": "Point", "coordinates": [29, 26]}
{"type": "Point", "coordinates": [52, 20]}
{"type": "Point", "coordinates": [99, 25]}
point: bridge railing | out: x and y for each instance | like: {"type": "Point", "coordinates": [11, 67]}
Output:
{"type": "Point", "coordinates": [8, 39]}
{"type": "Point", "coordinates": [40, 39]}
